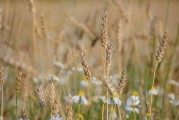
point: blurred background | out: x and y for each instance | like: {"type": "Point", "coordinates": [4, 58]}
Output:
{"type": "Point", "coordinates": [35, 33]}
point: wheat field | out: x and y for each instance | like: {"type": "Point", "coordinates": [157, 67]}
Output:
{"type": "Point", "coordinates": [89, 60]}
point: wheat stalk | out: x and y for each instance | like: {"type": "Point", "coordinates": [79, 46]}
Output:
{"type": "Point", "coordinates": [104, 32]}
{"type": "Point", "coordinates": [1, 24]}
{"type": "Point", "coordinates": [82, 26]}
{"type": "Point", "coordinates": [17, 64]}
{"type": "Point", "coordinates": [148, 10]}
{"type": "Point", "coordinates": [2, 87]}
{"type": "Point", "coordinates": [158, 59]}
{"type": "Point", "coordinates": [34, 26]}
{"type": "Point", "coordinates": [120, 43]}
{"type": "Point", "coordinates": [121, 11]}
{"type": "Point", "coordinates": [107, 82]}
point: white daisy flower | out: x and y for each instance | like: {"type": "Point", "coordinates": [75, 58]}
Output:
{"type": "Point", "coordinates": [112, 100]}
{"type": "Point", "coordinates": [65, 78]}
{"type": "Point", "coordinates": [98, 90]}
{"type": "Point", "coordinates": [115, 77]}
{"type": "Point", "coordinates": [127, 116]}
{"type": "Point", "coordinates": [84, 83]}
{"type": "Point", "coordinates": [133, 103]}
{"type": "Point", "coordinates": [173, 82]}
{"type": "Point", "coordinates": [172, 100]}
{"type": "Point", "coordinates": [147, 116]}
{"type": "Point", "coordinates": [115, 100]}
{"type": "Point", "coordinates": [96, 82]}
{"type": "Point", "coordinates": [80, 116]}
{"type": "Point", "coordinates": [38, 79]}
{"type": "Point", "coordinates": [73, 68]}
{"type": "Point", "coordinates": [53, 117]}
{"type": "Point", "coordinates": [53, 77]}
{"type": "Point", "coordinates": [113, 114]}
{"type": "Point", "coordinates": [171, 96]}
{"type": "Point", "coordinates": [154, 91]}
{"type": "Point", "coordinates": [96, 98]}
{"type": "Point", "coordinates": [69, 72]}
{"type": "Point", "coordinates": [69, 99]}
{"type": "Point", "coordinates": [104, 99]}
{"type": "Point", "coordinates": [19, 119]}
{"type": "Point", "coordinates": [59, 64]}
{"type": "Point", "coordinates": [80, 98]}
{"type": "Point", "coordinates": [78, 68]}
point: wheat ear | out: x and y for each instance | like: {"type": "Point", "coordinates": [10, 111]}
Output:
{"type": "Point", "coordinates": [85, 66]}
{"type": "Point", "coordinates": [122, 83]}
{"type": "Point", "coordinates": [69, 113]}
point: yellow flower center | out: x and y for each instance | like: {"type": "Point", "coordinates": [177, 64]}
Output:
{"type": "Point", "coordinates": [135, 93]}
{"type": "Point", "coordinates": [113, 109]}
{"type": "Point", "coordinates": [153, 88]}
{"type": "Point", "coordinates": [84, 78]}
{"type": "Point", "coordinates": [80, 116]}
{"type": "Point", "coordinates": [133, 105]}
{"type": "Point", "coordinates": [119, 74]}
{"type": "Point", "coordinates": [115, 95]}
{"type": "Point", "coordinates": [81, 93]}
{"type": "Point", "coordinates": [147, 114]}
{"type": "Point", "coordinates": [78, 66]}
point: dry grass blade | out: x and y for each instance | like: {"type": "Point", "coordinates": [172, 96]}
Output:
{"type": "Point", "coordinates": [1, 24]}
{"type": "Point", "coordinates": [2, 87]}
{"type": "Point", "coordinates": [1, 74]}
